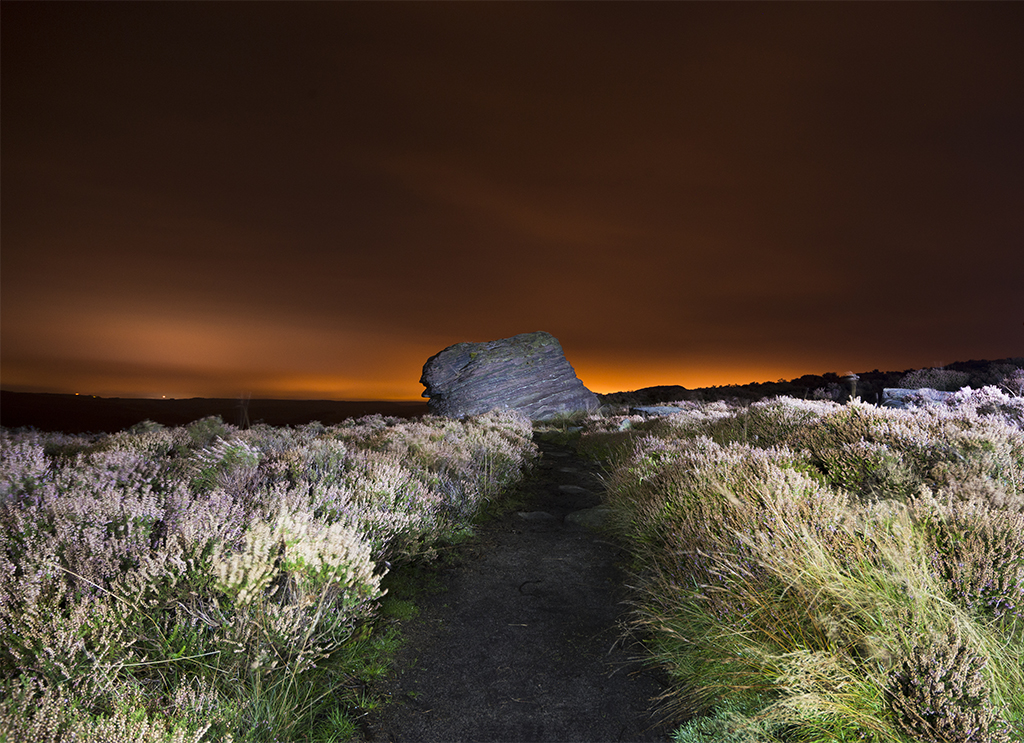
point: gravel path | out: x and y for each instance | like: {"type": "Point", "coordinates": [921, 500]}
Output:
{"type": "Point", "coordinates": [525, 642]}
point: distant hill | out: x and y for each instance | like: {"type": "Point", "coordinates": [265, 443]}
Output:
{"type": "Point", "coordinates": [85, 413]}
{"type": "Point", "coordinates": [869, 385]}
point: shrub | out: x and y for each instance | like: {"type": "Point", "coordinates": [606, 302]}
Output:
{"type": "Point", "coordinates": [992, 401]}
{"type": "Point", "coordinates": [789, 555]}
{"type": "Point", "coordinates": [205, 430]}
{"type": "Point", "coordinates": [979, 552]}
{"type": "Point", "coordinates": [947, 380]}
{"type": "Point", "coordinates": [940, 695]}
{"type": "Point", "coordinates": [199, 583]}
{"type": "Point", "coordinates": [1013, 383]}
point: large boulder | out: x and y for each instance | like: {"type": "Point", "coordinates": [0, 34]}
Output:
{"type": "Point", "coordinates": [528, 373]}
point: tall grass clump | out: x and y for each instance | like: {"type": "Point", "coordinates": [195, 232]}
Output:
{"type": "Point", "coordinates": [809, 571]}
{"type": "Point", "coordinates": [205, 583]}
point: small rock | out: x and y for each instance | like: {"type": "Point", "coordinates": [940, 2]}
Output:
{"type": "Point", "coordinates": [590, 518]}
{"type": "Point", "coordinates": [535, 516]}
{"type": "Point", "coordinates": [572, 489]}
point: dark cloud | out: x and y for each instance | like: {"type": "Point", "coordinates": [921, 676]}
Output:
{"type": "Point", "coordinates": [310, 199]}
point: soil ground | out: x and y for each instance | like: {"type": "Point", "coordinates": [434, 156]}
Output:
{"type": "Point", "coordinates": [525, 639]}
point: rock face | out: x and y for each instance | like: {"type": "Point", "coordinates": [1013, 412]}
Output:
{"type": "Point", "coordinates": [528, 373]}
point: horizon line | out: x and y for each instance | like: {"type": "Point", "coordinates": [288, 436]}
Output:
{"type": "Point", "coordinates": [407, 400]}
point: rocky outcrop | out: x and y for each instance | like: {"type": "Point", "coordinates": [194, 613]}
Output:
{"type": "Point", "coordinates": [654, 411]}
{"type": "Point", "coordinates": [905, 398]}
{"type": "Point", "coordinates": [528, 373]}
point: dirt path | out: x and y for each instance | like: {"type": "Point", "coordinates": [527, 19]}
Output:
{"type": "Point", "coordinates": [525, 643]}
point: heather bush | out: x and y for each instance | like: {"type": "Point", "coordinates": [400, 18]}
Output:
{"type": "Point", "coordinates": [205, 430]}
{"type": "Point", "coordinates": [832, 391]}
{"type": "Point", "coordinates": [1006, 403]}
{"type": "Point", "coordinates": [978, 551]}
{"type": "Point", "coordinates": [940, 695]}
{"type": "Point", "coordinates": [947, 380]}
{"type": "Point", "coordinates": [209, 583]}
{"type": "Point", "coordinates": [795, 561]}
{"type": "Point", "coordinates": [1013, 383]}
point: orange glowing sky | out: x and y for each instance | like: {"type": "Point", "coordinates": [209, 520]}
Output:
{"type": "Point", "coordinates": [308, 200]}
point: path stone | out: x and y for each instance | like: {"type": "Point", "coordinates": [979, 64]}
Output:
{"type": "Point", "coordinates": [573, 489]}
{"type": "Point", "coordinates": [535, 516]}
{"type": "Point", "coordinates": [595, 518]}
{"type": "Point", "coordinates": [525, 644]}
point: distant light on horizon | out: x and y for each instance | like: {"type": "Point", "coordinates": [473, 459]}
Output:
{"type": "Point", "coordinates": [602, 378]}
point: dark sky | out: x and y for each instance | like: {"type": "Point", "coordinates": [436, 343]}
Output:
{"type": "Point", "coordinates": [309, 199]}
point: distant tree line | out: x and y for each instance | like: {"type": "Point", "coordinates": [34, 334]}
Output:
{"type": "Point", "coordinates": [869, 385]}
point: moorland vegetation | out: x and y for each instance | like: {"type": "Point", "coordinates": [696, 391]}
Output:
{"type": "Point", "coordinates": [209, 583]}
{"type": "Point", "coordinates": [814, 571]}
{"type": "Point", "coordinates": [804, 570]}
